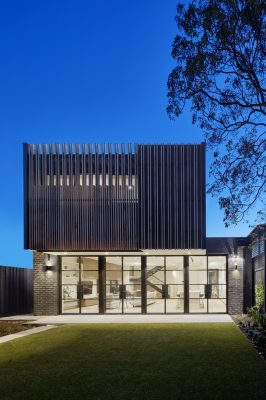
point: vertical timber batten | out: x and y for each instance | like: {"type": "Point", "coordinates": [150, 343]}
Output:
{"type": "Point", "coordinates": [114, 197]}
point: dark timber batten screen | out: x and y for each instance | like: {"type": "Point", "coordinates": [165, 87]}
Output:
{"type": "Point", "coordinates": [111, 197]}
{"type": "Point", "coordinates": [81, 197]}
{"type": "Point", "coordinates": [172, 196]}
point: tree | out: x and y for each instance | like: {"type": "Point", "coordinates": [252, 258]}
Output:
{"type": "Point", "coordinates": [220, 69]}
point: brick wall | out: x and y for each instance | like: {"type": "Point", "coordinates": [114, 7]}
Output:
{"type": "Point", "coordinates": [236, 284]}
{"type": "Point", "coordinates": [45, 284]}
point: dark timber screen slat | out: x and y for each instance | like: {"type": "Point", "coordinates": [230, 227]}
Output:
{"type": "Point", "coordinates": [16, 290]}
{"type": "Point", "coordinates": [114, 197]}
{"type": "Point", "coordinates": [172, 196]}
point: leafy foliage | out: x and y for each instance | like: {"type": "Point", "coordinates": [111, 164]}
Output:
{"type": "Point", "coordinates": [220, 69]}
{"type": "Point", "coordinates": [259, 295]}
{"type": "Point", "coordinates": [257, 312]}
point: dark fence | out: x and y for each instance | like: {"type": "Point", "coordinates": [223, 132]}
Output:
{"type": "Point", "coordinates": [16, 290]}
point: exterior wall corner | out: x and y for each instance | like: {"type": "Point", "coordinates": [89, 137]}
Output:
{"type": "Point", "coordinates": [45, 284]}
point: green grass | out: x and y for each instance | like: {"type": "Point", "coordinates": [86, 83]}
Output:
{"type": "Point", "coordinates": [153, 361]}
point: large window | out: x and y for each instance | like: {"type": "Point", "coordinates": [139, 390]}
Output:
{"type": "Point", "coordinates": [155, 284]}
{"type": "Point", "coordinates": [165, 284]}
{"type": "Point", "coordinates": [123, 285]}
{"type": "Point", "coordinates": [80, 285]}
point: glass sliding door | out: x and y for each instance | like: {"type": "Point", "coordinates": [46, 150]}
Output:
{"type": "Point", "coordinates": [155, 285]}
{"type": "Point", "coordinates": [70, 285]}
{"type": "Point", "coordinates": [113, 285]}
{"type": "Point", "coordinates": [217, 283]}
{"type": "Point", "coordinates": [198, 279]}
{"type": "Point", "coordinates": [123, 285]}
{"type": "Point", "coordinates": [174, 279]}
{"type": "Point", "coordinates": [207, 284]}
{"type": "Point", "coordinates": [89, 285]}
{"type": "Point", "coordinates": [132, 299]}
{"type": "Point", "coordinates": [168, 284]}
{"type": "Point", "coordinates": [80, 285]}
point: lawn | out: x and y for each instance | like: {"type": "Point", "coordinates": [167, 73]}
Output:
{"type": "Point", "coordinates": [128, 361]}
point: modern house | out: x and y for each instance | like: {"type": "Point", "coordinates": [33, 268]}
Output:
{"type": "Point", "coordinates": [122, 229]}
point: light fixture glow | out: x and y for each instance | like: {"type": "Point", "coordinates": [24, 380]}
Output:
{"type": "Point", "coordinates": [235, 258]}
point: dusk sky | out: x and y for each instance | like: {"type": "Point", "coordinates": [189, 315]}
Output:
{"type": "Point", "coordinates": [84, 71]}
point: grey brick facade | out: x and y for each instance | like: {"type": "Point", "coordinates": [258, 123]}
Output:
{"type": "Point", "coordinates": [45, 284]}
{"type": "Point", "coordinates": [236, 283]}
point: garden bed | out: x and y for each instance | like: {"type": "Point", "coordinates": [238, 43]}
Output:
{"type": "Point", "coordinates": [256, 335]}
{"type": "Point", "coordinates": [9, 327]}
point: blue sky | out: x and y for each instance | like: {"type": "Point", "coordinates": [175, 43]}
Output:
{"type": "Point", "coordinates": [84, 71]}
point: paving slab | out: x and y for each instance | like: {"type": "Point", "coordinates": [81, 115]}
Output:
{"type": "Point", "coordinates": [128, 319]}
{"type": "Point", "coordinates": [24, 317]}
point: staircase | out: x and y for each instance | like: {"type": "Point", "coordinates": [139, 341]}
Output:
{"type": "Point", "coordinates": [150, 274]}
{"type": "Point", "coordinates": [153, 271]}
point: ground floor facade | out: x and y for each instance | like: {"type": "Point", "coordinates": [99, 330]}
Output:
{"type": "Point", "coordinates": [133, 283]}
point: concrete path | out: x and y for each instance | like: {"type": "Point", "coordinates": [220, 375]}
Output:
{"type": "Point", "coordinates": [28, 332]}
{"type": "Point", "coordinates": [131, 319]}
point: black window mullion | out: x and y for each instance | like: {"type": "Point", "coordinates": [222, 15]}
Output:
{"type": "Point", "coordinates": [102, 283]}
{"type": "Point", "coordinates": [186, 284]}
{"type": "Point", "coordinates": [165, 287]}
{"type": "Point", "coordinates": [123, 288]}
{"type": "Point", "coordinates": [60, 280]}
{"type": "Point", "coordinates": [79, 284]}
{"type": "Point", "coordinates": [208, 283]}
{"type": "Point", "coordinates": [143, 285]}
